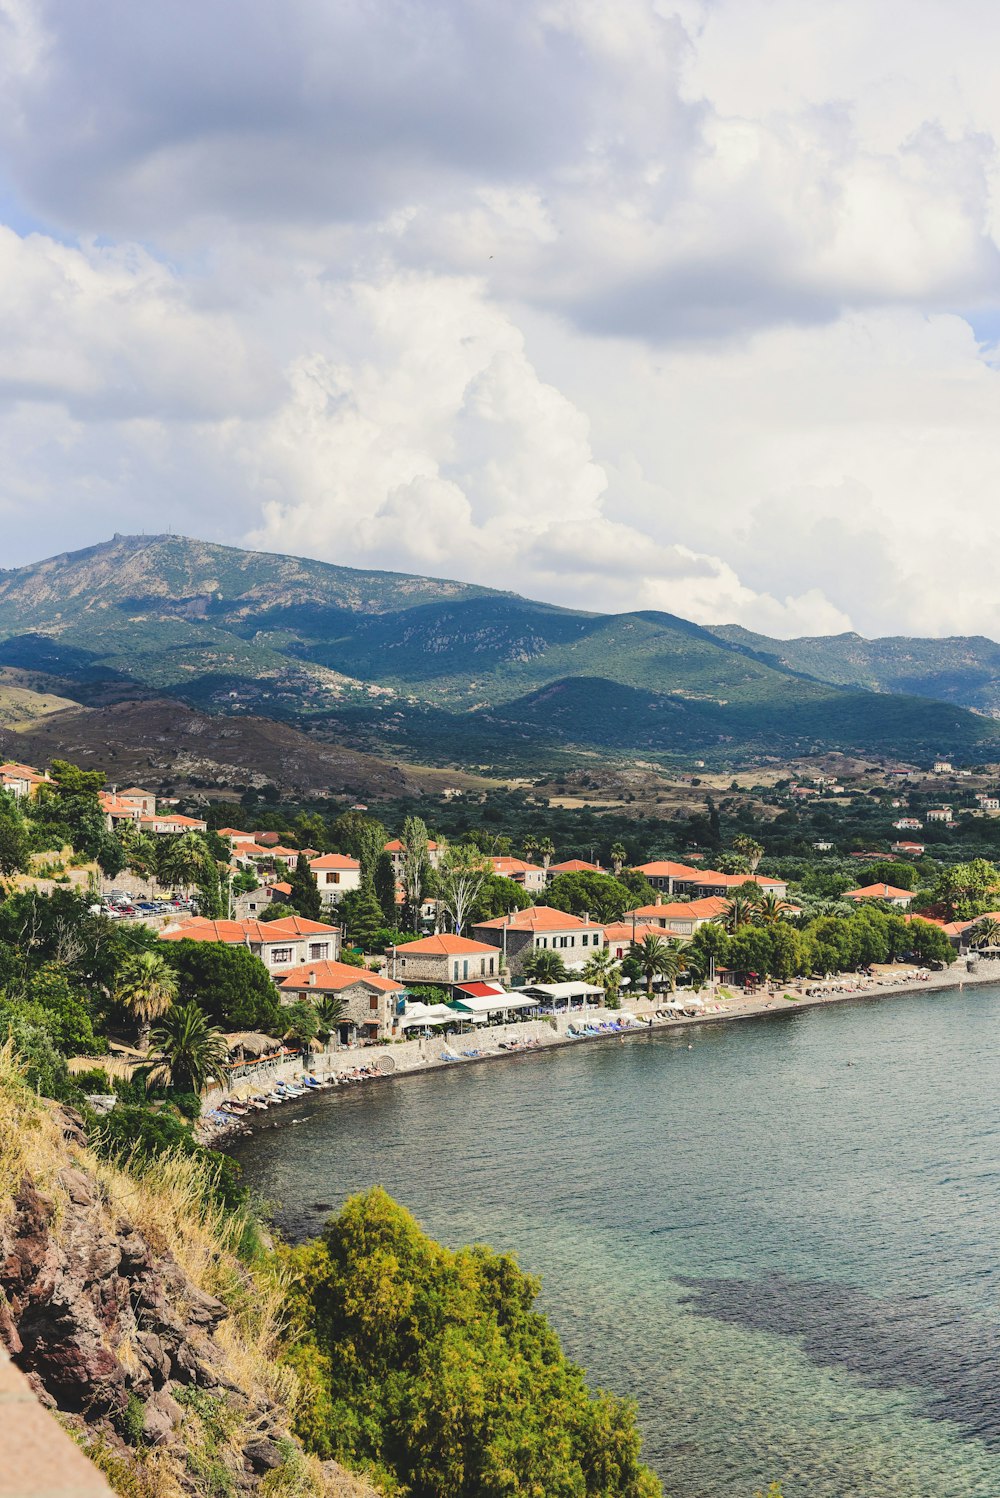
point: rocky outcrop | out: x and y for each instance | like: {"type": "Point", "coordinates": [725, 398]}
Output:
{"type": "Point", "coordinates": [112, 1332]}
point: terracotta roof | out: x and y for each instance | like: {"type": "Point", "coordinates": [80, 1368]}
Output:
{"type": "Point", "coordinates": [231, 832]}
{"type": "Point", "coordinates": [200, 928]}
{"type": "Point", "coordinates": [502, 864]}
{"type": "Point", "coordinates": [396, 846]}
{"type": "Point", "coordinates": [668, 870]}
{"type": "Point", "coordinates": [732, 881]}
{"type": "Point", "coordinates": [332, 976]}
{"type": "Point", "coordinates": [539, 918]}
{"type": "Point", "coordinates": [335, 861]}
{"type": "Point", "coordinates": [297, 925]}
{"type": "Point", "coordinates": [575, 866]}
{"type": "Point", "coordinates": [445, 945]}
{"type": "Point", "coordinates": [878, 892]}
{"type": "Point", "coordinates": [703, 910]}
{"type": "Point", "coordinates": [281, 886]}
{"type": "Point", "coordinates": [622, 931]}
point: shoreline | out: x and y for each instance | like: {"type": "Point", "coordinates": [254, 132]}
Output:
{"type": "Point", "coordinates": [216, 1134]}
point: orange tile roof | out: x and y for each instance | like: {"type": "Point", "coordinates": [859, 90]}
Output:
{"type": "Point", "coordinates": [622, 931]}
{"type": "Point", "coordinates": [539, 918]}
{"type": "Point", "coordinates": [396, 846]}
{"type": "Point", "coordinates": [445, 945]}
{"type": "Point", "coordinates": [334, 861]}
{"type": "Point", "coordinates": [575, 866]}
{"type": "Point", "coordinates": [681, 910]}
{"type": "Point", "coordinates": [878, 892]}
{"type": "Point", "coordinates": [502, 864]}
{"type": "Point", "coordinates": [668, 870]}
{"type": "Point", "coordinates": [332, 976]}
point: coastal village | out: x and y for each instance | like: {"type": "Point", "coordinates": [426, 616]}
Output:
{"type": "Point", "coordinates": [384, 953]}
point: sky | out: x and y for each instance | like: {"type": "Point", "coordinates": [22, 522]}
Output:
{"type": "Point", "coordinates": [689, 305]}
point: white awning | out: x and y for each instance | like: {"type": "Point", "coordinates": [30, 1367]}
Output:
{"type": "Point", "coordinates": [571, 990]}
{"type": "Point", "coordinates": [494, 1004]}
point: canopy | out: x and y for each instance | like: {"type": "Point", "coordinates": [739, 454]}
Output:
{"type": "Point", "coordinates": [468, 1003]}
{"type": "Point", "coordinates": [571, 990]}
{"type": "Point", "coordinates": [420, 1015]}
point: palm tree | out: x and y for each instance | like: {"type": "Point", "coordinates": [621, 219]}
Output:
{"type": "Point", "coordinates": [530, 848]}
{"type": "Point", "coordinates": [331, 1011]}
{"type": "Point", "coordinates": [771, 908]}
{"type": "Point", "coordinates": [140, 852]}
{"type": "Point", "coordinates": [604, 972]}
{"type": "Point", "coordinates": [182, 859]}
{"type": "Point", "coordinates": [740, 912]}
{"type": "Point", "coordinates": [146, 987]}
{"type": "Point", "coordinates": [547, 851]}
{"type": "Point", "coordinates": [542, 965]}
{"type": "Point", "coordinates": [618, 857]}
{"type": "Point", "coordinates": [656, 958]}
{"type": "Point", "coordinates": [985, 933]}
{"type": "Point", "coordinates": [188, 1048]}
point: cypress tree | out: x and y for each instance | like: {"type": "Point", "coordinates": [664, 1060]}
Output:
{"type": "Point", "coordinates": [305, 891]}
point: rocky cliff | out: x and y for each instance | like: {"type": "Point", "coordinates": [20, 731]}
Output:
{"type": "Point", "coordinates": [135, 1323]}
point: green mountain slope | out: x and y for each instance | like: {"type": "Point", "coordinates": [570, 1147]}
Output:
{"type": "Point", "coordinates": [961, 669]}
{"type": "Point", "coordinates": [439, 669]}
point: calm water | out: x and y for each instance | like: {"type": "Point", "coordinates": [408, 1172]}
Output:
{"type": "Point", "coordinates": [783, 1242]}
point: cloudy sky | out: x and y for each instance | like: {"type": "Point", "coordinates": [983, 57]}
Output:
{"type": "Point", "coordinates": [679, 304]}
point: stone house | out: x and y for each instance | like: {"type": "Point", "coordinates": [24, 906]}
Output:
{"type": "Point", "coordinates": [371, 1003]}
{"type": "Point", "coordinates": [443, 959]}
{"type": "Point", "coordinates": [574, 937]}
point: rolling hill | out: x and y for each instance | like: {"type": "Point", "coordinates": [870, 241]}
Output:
{"type": "Point", "coordinates": [437, 670]}
{"type": "Point", "coordinates": [964, 669]}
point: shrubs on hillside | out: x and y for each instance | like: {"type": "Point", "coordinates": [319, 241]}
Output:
{"type": "Point", "coordinates": [433, 1368]}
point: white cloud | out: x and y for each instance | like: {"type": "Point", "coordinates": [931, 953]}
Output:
{"type": "Point", "coordinates": [658, 305]}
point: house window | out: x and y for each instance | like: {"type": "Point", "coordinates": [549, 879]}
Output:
{"type": "Point", "coordinates": [491, 967]}
{"type": "Point", "coordinates": [465, 968]}
{"type": "Point", "coordinates": [318, 950]}
{"type": "Point", "coordinates": [456, 972]}
{"type": "Point", "coordinates": [280, 956]}
{"type": "Point", "coordinates": [373, 1002]}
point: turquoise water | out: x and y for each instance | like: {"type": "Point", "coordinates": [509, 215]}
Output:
{"type": "Point", "coordinates": [781, 1241]}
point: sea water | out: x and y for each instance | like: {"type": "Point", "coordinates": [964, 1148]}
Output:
{"type": "Point", "coordinates": [779, 1236]}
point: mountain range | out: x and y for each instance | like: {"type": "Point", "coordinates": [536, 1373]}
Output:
{"type": "Point", "coordinates": [443, 672]}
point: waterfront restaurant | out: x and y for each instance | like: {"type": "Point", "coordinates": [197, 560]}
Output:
{"type": "Point", "coordinates": [490, 1004]}
{"type": "Point", "coordinates": [560, 998]}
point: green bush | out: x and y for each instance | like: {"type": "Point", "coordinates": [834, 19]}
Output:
{"type": "Point", "coordinates": [433, 1366]}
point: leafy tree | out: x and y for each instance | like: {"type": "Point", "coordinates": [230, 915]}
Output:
{"type": "Point", "coordinates": [599, 895]}
{"type": "Point", "coordinates": [968, 889]}
{"type": "Point", "coordinates": [232, 985]}
{"type": "Point", "coordinates": [188, 1048]}
{"type": "Point", "coordinates": [902, 875]}
{"type": "Point", "coordinates": [146, 987]}
{"type": "Point", "coordinates": [433, 1367]}
{"type": "Point", "coordinates": [66, 807]}
{"type": "Point", "coordinates": [311, 831]}
{"type": "Point", "coordinates": [461, 874]}
{"type": "Point", "coordinates": [301, 1023]}
{"type": "Point", "coordinates": [362, 917]}
{"type": "Point", "coordinates": [543, 965]}
{"type": "Point", "coordinates": [415, 865]}
{"type": "Point", "coordinates": [305, 896]}
{"type": "Point", "coordinates": [928, 943]}
{"type": "Point", "coordinates": [358, 836]}
{"type": "Point", "coordinates": [384, 885]}
{"type": "Point", "coordinates": [210, 902]}
{"type": "Point", "coordinates": [65, 1011]}
{"type": "Point", "coordinates": [15, 839]}
{"type": "Point", "coordinates": [245, 882]}
{"type": "Point", "coordinates": [497, 896]}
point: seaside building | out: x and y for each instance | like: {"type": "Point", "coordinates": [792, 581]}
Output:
{"type": "Point", "coordinates": [443, 959]}
{"type": "Point", "coordinates": [372, 1003]}
{"type": "Point", "coordinates": [574, 937]}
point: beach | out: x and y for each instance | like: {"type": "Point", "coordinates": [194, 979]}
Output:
{"type": "Point", "coordinates": [372, 1064]}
